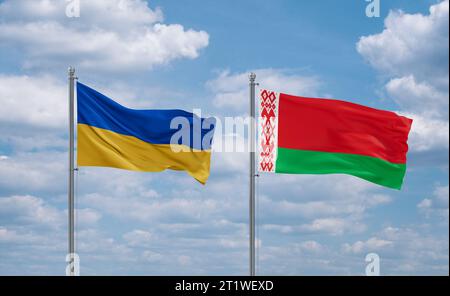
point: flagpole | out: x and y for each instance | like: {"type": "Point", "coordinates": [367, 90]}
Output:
{"type": "Point", "coordinates": [71, 211]}
{"type": "Point", "coordinates": [252, 78]}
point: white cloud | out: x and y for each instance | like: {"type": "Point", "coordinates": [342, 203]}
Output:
{"type": "Point", "coordinates": [234, 243]}
{"type": "Point", "coordinates": [413, 53]}
{"type": "Point", "coordinates": [153, 210]}
{"type": "Point", "coordinates": [231, 89]}
{"type": "Point", "coordinates": [318, 197]}
{"type": "Point", "coordinates": [35, 212]}
{"type": "Point", "coordinates": [92, 242]}
{"type": "Point", "coordinates": [151, 256]}
{"type": "Point", "coordinates": [128, 12]}
{"type": "Point", "coordinates": [312, 246]}
{"type": "Point", "coordinates": [418, 97]}
{"type": "Point", "coordinates": [87, 216]}
{"type": "Point", "coordinates": [377, 199]}
{"type": "Point", "coordinates": [229, 162]}
{"type": "Point", "coordinates": [33, 101]}
{"type": "Point", "coordinates": [410, 43]}
{"type": "Point", "coordinates": [371, 245]}
{"type": "Point", "coordinates": [305, 203]}
{"type": "Point", "coordinates": [112, 35]}
{"type": "Point", "coordinates": [333, 226]}
{"type": "Point", "coordinates": [138, 237]}
{"type": "Point", "coordinates": [428, 133]}
{"type": "Point", "coordinates": [30, 210]}
{"type": "Point", "coordinates": [420, 250]}
{"type": "Point", "coordinates": [285, 229]}
{"type": "Point", "coordinates": [425, 204]}
{"type": "Point", "coordinates": [12, 236]}
{"type": "Point", "coordinates": [34, 172]}
{"type": "Point", "coordinates": [404, 250]}
{"type": "Point", "coordinates": [441, 194]}
{"type": "Point", "coordinates": [437, 204]}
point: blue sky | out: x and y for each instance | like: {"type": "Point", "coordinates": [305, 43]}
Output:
{"type": "Point", "coordinates": [163, 54]}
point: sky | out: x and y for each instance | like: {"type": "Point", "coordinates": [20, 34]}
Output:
{"type": "Point", "coordinates": [197, 54]}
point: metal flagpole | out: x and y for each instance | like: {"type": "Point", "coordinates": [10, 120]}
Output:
{"type": "Point", "coordinates": [252, 78]}
{"type": "Point", "coordinates": [71, 215]}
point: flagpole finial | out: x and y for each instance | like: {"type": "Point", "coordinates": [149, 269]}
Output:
{"type": "Point", "coordinates": [252, 77]}
{"type": "Point", "coordinates": [71, 71]}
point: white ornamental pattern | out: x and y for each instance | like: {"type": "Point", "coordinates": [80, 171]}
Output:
{"type": "Point", "coordinates": [268, 131]}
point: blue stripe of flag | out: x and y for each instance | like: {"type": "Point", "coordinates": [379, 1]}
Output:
{"type": "Point", "coordinates": [152, 126]}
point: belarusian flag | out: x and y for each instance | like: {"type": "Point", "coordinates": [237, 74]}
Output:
{"type": "Point", "coordinates": [321, 136]}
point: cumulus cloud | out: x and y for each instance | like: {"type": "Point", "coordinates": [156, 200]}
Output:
{"type": "Point", "coordinates": [230, 90]}
{"type": "Point", "coordinates": [12, 236]}
{"type": "Point", "coordinates": [330, 226]}
{"type": "Point", "coordinates": [412, 52]}
{"type": "Point", "coordinates": [101, 13]}
{"type": "Point", "coordinates": [418, 97]}
{"type": "Point", "coordinates": [371, 245]}
{"type": "Point", "coordinates": [318, 204]}
{"type": "Point", "coordinates": [312, 246]}
{"type": "Point", "coordinates": [38, 172]}
{"type": "Point", "coordinates": [428, 134]}
{"type": "Point", "coordinates": [421, 251]}
{"type": "Point", "coordinates": [114, 35]}
{"type": "Point", "coordinates": [138, 237]}
{"type": "Point", "coordinates": [29, 210]}
{"type": "Point", "coordinates": [39, 102]}
{"type": "Point", "coordinates": [87, 216]}
{"type": "Point", "coordinates": [411, 43]}
{"type": "Point", "coordinates": [181, 209]}
{"type": "Point", "coordinates": [442, 196]}
{"type": "Point", "coordinates": [333, 226]}
{"type": "Point", "coordinates": [151, 256]}
{"type": "Point", "coordinates": [36, 212]}
{"type": "Point", "coordinates": [92, 241]}
{"type": "Point", "coordinates": [436, 204]}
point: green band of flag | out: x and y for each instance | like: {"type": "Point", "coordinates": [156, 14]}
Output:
{"type": "Point", "coordinates": [379, 171]}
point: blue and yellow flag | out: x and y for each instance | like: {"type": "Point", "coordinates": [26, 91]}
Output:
{"type": "Point", "coordinates": [111, 135]}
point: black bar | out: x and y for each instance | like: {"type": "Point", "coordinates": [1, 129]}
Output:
{"type": "Point", "coordinates": [228, 285]}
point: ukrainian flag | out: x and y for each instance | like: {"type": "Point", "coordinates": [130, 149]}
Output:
{"type": "Point", "coordinates": [111, 135]}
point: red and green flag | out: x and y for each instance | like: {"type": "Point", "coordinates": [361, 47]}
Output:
{"type": "Point", "coordinates": [322, 136]}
